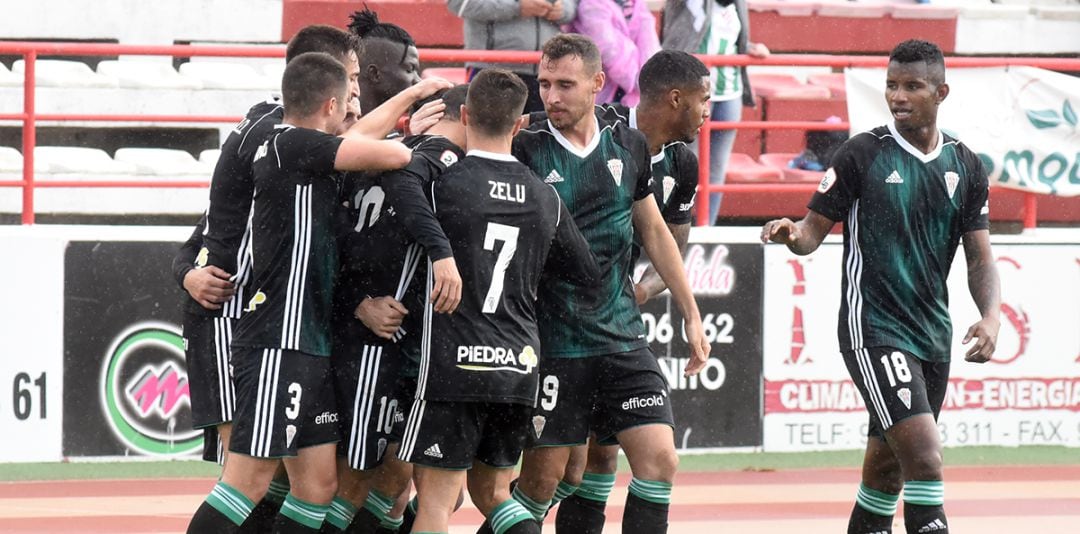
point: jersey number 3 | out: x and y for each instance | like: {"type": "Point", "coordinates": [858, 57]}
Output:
{"type": "Point", "coordinates": [509, 236]}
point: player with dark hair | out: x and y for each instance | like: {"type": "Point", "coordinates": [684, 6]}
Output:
{"type": "Point", "coordinates": [595, 357]}
{"type": "Point", "coordinates": [392, 229]}
{"type": "Point", "coordinates": [390, 63]}
{"type": "Point", "coordinates": [907, 194]}
{"type": "Point", "coordinates": [285, 407]}
{"type": "Point", "coordinates": [674, 104]}
{"type": "Point", "coordinates": [479, 372]}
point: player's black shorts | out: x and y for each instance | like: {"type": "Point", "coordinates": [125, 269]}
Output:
{"type": "Point", "coordinates": [370, 402]}
{"type": "Point", "coordinates": [285, 402]}
{"type": "Point", "coordinates": [207, 351]}
{"type": "Point", "coordinates": [603, 394]}
{"type": "Point", "coordinates": [211, 449]}
{"type": "Point", "coordinates": [450, 435]}
{"type": "Point", "coordinates": [896, 385]}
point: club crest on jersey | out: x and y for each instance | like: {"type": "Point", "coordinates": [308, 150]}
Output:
{"type": "Point", "coordinates": [538, 423]}
{"type": "Point", "coordinates": [448, 158]}
{"type": "Point", "coordinates": [669, 186]}
{"type": "Point", "coordinates": [616, 167]}
{"type": "Point", "coordinates": [951, 181]}
{"type": "Point", "coordinates": [827, 181]}
{"type": "Point", "coordinates": [483, 358]}
{"type": "Point", "coordinates": [905, 397]}
{"type": "Point", "coordinates": [257, 299]}
{"type": "Point", "coordinates": [203, 257]}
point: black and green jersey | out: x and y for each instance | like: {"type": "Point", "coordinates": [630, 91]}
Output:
{"type": "Point", "coordinates": [904, 213]}
{"type": "Point", "coordinates": [599, 185]}
{"type": "Point", "coordinates": [293, 247]}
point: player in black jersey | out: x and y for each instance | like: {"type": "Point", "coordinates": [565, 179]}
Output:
{"type": "Point", "coordinates": [390, 63]}
{"type": "Point", "coordinates": [674, 104]}
{"type": "Point", "coordinates": [908, 195]}
{"type": "Point", "coordinates": [284, 400]}
{"type": "Point", "coordinates": [479, 373]}
{"type": "Point", "coordinates": [598, 374]}
{"type": "Point", "coordinates": [392, 235]}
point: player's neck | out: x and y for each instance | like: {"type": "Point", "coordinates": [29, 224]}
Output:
{"type": "Point", "coordinates": [649, 122]}
{"type": "Point", "coordinates": [450, 130]}
{"type": "Point", "coordinates": [581, 134]}
{"type": "Point", "coordinates": [311, 122]}
{"type": "Point", "coordinates": [924, 138]}
{"type": "Point", "coordinates": [495, 145]}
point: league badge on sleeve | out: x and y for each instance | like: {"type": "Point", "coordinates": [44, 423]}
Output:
{"type": "Point", "coordinates": [616, 167]}
{"type": "Point", "coordinates": [827, 181]}
{"type": "Point", "coordinates": [448, 158]}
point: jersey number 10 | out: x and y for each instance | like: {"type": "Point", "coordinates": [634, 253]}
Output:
{"type": "Point", "coordinates": [509, 236]}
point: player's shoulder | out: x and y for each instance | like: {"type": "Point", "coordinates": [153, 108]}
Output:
{"type": "Point", "coordinates": [866, 144]}
{"type": "Point", "coordinates": [624, 135]}
{"type": "Point", "coordinates": [435, 148]}
{"type": "Point", "coordinates": [963, 152]}
{"type": "Point", "coordinates": [680, 153]}
{"type": "Point", "coordinates": [613, 113]}
{"type": "Point", "coordinates": [260, 121]}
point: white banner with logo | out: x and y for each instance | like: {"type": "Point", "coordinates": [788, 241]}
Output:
{"type": "Point", "coordinates": [1022, 121]}
{"type": "Point", "coordinates": [1028, 395]}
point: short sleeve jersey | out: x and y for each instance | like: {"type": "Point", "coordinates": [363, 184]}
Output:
{"type": "Point", "coordinates": [294, 251]}
{"type": "Point", "coordinates": [225, 237]}
{"type": "Point", "coordinates": [500, 220]}
{"type": "Point", "coordinates": [599, 186]}
{"type": "Point", "coordinates": [378, 256]}
{"type": "Point", "coordinates": [904, 214]}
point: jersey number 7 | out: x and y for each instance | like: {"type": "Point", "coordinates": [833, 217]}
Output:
{"type": "Point", "coordinates": [509, 236]}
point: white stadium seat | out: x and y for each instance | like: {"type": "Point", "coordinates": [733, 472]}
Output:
{"type": "Point", "coordinates": [226, 75]}
{"type": "Point", "coordinates": [7, 79]}
{"type": "Point", "coordinates": [161, 161]}
{"type": "Point", "coordinates": [11, 161]}
{"type": "Point", "coordinates": [274, 71]}
{"type": "Point", "coordinates": [60, 73]}
{"type": "Point", "coordinates": [81, 161]}
{"type": "Point", "coordinates": [208, 158]}
{"type": "Point", "coordinates": [147, 75]}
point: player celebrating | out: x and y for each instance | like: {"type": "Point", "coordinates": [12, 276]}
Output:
{"type": "Point", "coordinates": [478, 376]}
{"type": "Point", "coordinates": [390, 63]}
{"type": "Point", "coordinates": [907, 195]}
{"type": "Point", "coordinates": [595, 356]}
{"type": "Point", "coordinates": [393, 228]}
{"type": "Point", "coordinates": [284, 403]}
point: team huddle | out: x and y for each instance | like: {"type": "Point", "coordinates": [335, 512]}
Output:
{"type": "Point", "coordinates": [371, 311]}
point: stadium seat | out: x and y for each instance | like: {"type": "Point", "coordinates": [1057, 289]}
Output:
{"type": "Point", "coordinates": [924, 11]}
{"type": "Point", "coordinates": [81, 161]}
{"type": "Point", "coordinates": [8, 79]}
{"type": "Point", "coordinates": [215, 75]}
{"type": "Point", "coordinates": [11, 161]}
{"type": "Point", "coordinates": [741, 168]}
{"type": "Point", "coordinates": [208, 158]}
{"type": "Point", "coordinates": [147, 75]}
{"type": "Point", "coordinates": [274, 71]}
{"type": "Point", "coordinates": [785, 86]}
{"type": "Point", "coordinates": [789, 9]}
{"type": "Point", "coordinates": [455, 75]}
{"type": "Point", "coordinates": [781, 162]}
{"type": "Point", "coordinates": [60, 73]}
{"type": "Point", "coordinates": [833, 81]}
{"type": "Point", "coordinates": [161, 161]}
{"type": "Point", "coordinates": [858, 10]}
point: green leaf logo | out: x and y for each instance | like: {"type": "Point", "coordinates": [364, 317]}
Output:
{"type": "Point", "coordinates": [1045, 118]}
{"type": "Point", "coordinates": [1068, 113]}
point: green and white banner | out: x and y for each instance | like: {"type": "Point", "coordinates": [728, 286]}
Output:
{"type": "Point", "coordinates": [1022, 121]}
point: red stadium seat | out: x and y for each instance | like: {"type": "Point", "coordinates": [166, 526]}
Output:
{"type": "Point", "coordinates": [780, 162]}
{"type": "Point", "coordinates": [834, 82]}
{"type": "Point", "coordinates": [743, 169]}
{"type": "Point", "coordinates": [769, 85]}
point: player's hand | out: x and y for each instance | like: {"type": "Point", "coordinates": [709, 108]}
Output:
{"type": "Point", "coordinates": [535, 8]}
{"type": "Point", "coordinates": [985, 333]}
{"type": "Point", "coordinates": [699, 346]}
{"type": "Point", "coordinates": [780, 231]}
{"type": "Point", "coordinates": [209, 286]}
{"type": "Point", "coordinates": [426, 117]}
{"type": "Point", "coordinates": [446, 293]}
{"type": "Point", "coordinates": [555, 11]}
{"type": "Point", "coordinates": [428, 87]}
{"type": "Point", "coordinates": [382, 315]}
{"type": "Point", "coordinates": [757, 50]}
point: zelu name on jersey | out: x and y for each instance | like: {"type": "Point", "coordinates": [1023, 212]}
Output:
{"type": "Point", "coordinates": [483, 358]}
{"type": "Point", "coordinates": [508, 192]}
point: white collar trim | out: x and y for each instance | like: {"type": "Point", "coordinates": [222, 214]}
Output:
{"type": "Point", "coordinates": [491, 155]}
{"type": "Point", "coordinates": [582, 153]}
{"type": "Point", "coordinates": [925, 158]}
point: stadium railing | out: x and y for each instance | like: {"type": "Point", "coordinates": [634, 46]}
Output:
{"type": "Point", "coordinates": [30, 51]}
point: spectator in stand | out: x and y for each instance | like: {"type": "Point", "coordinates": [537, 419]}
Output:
{"type": "Point", "coordinates": [512, 25]}
{"type": "Point", "coordinates": [625, 32]}
{"type": "Point", "coordinates": [716, 27]}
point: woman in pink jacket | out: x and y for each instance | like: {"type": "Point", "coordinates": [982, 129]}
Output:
{"type": "Point", "coordinates": [625, 32]}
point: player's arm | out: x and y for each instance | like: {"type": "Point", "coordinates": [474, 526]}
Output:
{"type": "Point", "coordinates": [651, 284]}
{"type": "Point", "coordinates": [184, 260]}
{"type": "Point", "coordinates": [209, 286]}
{"type": "Point", "coordinates": [801, 237]}
{"type": "Point", "coordinates": [664, 254]}
{"type": "Point", "coordinates": [985, 288]}
{"type": "Point", "coordinates": [383, 119]}
{"type": "Point", "coordinates": [570, 257]}
{"type": "Point", "coordinates": [358, 152]}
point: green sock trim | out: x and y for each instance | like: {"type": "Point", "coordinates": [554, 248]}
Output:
{"type": "Point", "coordinates": [507, 514]}
{"type": "Point", "coordinates": [277, 491]}
{"type": "Point", "coordinates": [876, 502]}
{"type": "Point", "coordinates": [537, 509]}
{"type": "Point", "coordinates": [305, 513]}
{"type": "Point", "coordinates": [230, 502]}
{"type": "Point", "coordinates": [596, 486]}
{"type": "Point", "coordinates": [563, 491]}
{"type": "Point", "coordinates": [653, 491]}
{"type": "Point", "coordinates": [341, 513]}
{"type": "Point", "coordinates": [378, 504]}
{"type": "Point", "coordinates": [924, 492]}
{"type": "Point", "coordinates": [392, 523]}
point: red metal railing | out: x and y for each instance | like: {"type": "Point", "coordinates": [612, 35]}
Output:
{"type": "Point", "coordinates": [29, 117]}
